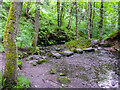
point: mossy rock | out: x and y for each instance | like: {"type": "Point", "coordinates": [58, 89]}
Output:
{"type": "Point", "coordinates": [26, 59]}
{"type": "Point", "coordinates": [54, 54]}
{"type": "Point", "coordinates": [67, 53]}
{"type": "Point", "coordinates": [62, 74]}
{"type": "Point", "coordinates": [34, 63]}
{"type": "Point", "coordinates": [50, 54]}
{"type": "Point", "coordinates": [78, 50]}
{"type": "Point", "coordinates": [20, 64]}
{"type": "Point", "coordinates": [25, 53]}
{"type": "Point", "coordinates": [64, 80]}
{"type": "Point", "coordinates": [52, 71]}
{"type": "Point", "coordinates": [42, 61]}
{"type": "Point", "coordinates": [31, 58]}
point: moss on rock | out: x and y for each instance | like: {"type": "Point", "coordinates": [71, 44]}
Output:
{"type": "Point", "coordinates": [64, 80]}
{"type": "Point", "coordinates": [52, 71]}
{"type": "Point", "coordinates": [42, 61]}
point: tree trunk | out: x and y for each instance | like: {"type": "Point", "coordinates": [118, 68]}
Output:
{"type": "Point", "coordinates": [27, 8]}
{"type": "Point", "coordinates": [101, 21]}
{"type": "Point", "coordinates": [89, 19]}
{"type": "Point", "coordinates": [93, 17]}
{"type": "Point", "coordinates": [37, 14]}
{"type": "Point", "coordinates": [10, 72]}
{"type": "Point", "coordinates": [1, 2]}
{"type": "Point", "coordinates": [61, 14]}
{"type": "Point", "coordinates": [76, 20]}
{"type": "Point", "coordinates": [58, 12]}
{"type": "Point", "coordinates": [69, 22]}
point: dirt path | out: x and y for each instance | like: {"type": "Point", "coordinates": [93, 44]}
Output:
{"type": "Point", "coordinates": [87, 70]}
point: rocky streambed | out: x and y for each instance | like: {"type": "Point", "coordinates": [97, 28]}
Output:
{"type": "Point", "coordinates": [89, 68]}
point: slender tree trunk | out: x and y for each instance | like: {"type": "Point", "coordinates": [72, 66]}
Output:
{"type": "Point", "coordinates": [69, 22]}
{"type": "Point", "coordinates": [10, 72]}
{"type": "Point", "coordinates": [27, 9]}
{"type": "Point", "coordinates": [37, 14]}
{"type": "Point", "coordinates": [58, 12]}
{"type": "Point", "coordinates": [20, 5]}
{"type": "Point", "coordinates": [89, 19]}
{"type": "Point", "coordinates": [76, 20]}
{"type": "Point", "coordinates": [61, 14]}
{"type": "Point", "coordinates": [1, 2]}
{"type": "Point", "coordinates": [93, 16]}
{"type": "Point", "coordinates": [101, 21]}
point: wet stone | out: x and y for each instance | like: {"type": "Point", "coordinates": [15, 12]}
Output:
{"type": "Point", "coordinates": [78, 50]}
{"type": "Point", "coordinates": [56, 55]}
{"type": "Point", "coordinates": [90, 49]}
{"type": "Point", "coordinates": [67, 53]}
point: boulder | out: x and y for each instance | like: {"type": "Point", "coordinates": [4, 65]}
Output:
{"type": "Point", "coordinates": [94, 42]}
{"type": "Point", "coordinates": [33, 61]}
{"type": "Point", "coordinates": [57, 49]}
{"type": "Point", "coordinates": [78, 50]}
{"type": "Point", "coordinates": [67, 53]}
{"type": "Point", "coordinates": [90, 49]}
{"type": "Point", "coordinates": [56, 55]}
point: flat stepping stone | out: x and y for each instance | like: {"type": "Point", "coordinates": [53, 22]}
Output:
{"type": "Point", "coordinates": [78, 50]}
{"type": "Point", "coordinates": [34, 57]}
{"type": "Point", "coordinates": [67, 53]}
{"type": "Point", "coordinates": [56, 55]}
{"type": "Point", "coordinates": [90, 49]}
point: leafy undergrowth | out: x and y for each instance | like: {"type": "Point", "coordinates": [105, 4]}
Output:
{"type": "Point", "coordinates": [81, 43]}
{"type": "Point", "coordinates": [23, 82]}
{"type": "Point", "coordinates": [1, 47]}
{"type": "Point", "coordinates": [111, 34]}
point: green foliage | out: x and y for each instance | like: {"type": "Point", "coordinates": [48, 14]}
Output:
{"type": "Point", "coordinates": [81, 43]}
{"type": "Point", "coordinates": [64, 80]}
{"type": "Point", "coordinates": [111, 34]}
{"type": "Point", "coordinates": [61, 74]}
{"type": "Point", "coordinates": [42, 61]}
{"type": "Point", "coordinates": [23, 82]}
{"type": "Point", "coordinates": [1, 47]}
{"type": "Point", "coordinates": [34, 63]}
{"type": "Point", "coordinates": [50, 33]}
{"type": "Point", "coordinates": [52, 71]}
{"type": "Point", "coordinates": [25, 36]}
{"type": "Point", "coordinates": [20, 64]}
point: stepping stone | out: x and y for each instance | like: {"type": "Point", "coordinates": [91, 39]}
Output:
{"type": "Point", "coordinates": [34, 57]}
{"type": "Point", "coordinates": [56, 55]}
{"type": "Point", "coordinates": [34, 61]}
{"type": "Point", "coordinates": [67, 53]}
{"type": "Point", "coordinates": [90, 49]}
{"type": "Point", "coordinates": [57, 49]}
{"type": "Point", "coordinates": [78, 50]}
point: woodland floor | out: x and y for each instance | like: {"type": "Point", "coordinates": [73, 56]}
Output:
{"type": "Point", "coordinates": [88, 70]}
